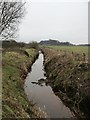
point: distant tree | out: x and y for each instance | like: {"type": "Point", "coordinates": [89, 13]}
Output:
{"type": "Point", "coordinates": [33, 44]}
{"type": "Point", "coordinates": [10, 15]}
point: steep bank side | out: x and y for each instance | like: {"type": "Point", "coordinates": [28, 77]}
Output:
{"type": "Point", "coordinates": [68, 74]}
{"type": "Point", "coordinates": [15, 66]}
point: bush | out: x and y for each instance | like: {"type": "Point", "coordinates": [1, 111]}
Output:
{"type": "Point", "coordinates": [33, 45]}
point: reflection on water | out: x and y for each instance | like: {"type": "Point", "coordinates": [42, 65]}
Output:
{"type": "Point", "coordinates": [43, 96]}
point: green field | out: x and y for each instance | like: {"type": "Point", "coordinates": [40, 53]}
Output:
{"type": "Point", "coordinates": [75, 49]}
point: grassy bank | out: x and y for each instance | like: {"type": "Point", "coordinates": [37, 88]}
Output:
{"type": "Point", "coordinates": [68, 74]}
{"type": "Point", "coordinates": [15, 65]}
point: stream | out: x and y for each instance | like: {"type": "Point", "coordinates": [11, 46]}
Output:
{"type": "Point", "coordinates": [42, 95]}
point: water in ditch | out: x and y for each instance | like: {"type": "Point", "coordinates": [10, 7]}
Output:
{"type": "Point", "coordinates": [42, 95]}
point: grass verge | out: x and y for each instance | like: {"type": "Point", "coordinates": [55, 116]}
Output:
{"type": "Point", "coordinates": [15, 65]}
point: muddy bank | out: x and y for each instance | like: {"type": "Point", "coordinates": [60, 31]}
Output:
{"type": "Point", "coordinates": [68, 75]}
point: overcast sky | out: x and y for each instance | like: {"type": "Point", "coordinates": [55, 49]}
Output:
{"type": "Point", "coordinates": [54, 19]}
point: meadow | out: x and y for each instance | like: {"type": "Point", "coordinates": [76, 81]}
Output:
{"type": "Point", "coordinates": [74, 49]}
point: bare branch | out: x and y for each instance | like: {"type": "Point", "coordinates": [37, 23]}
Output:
{"type": "Point", "coordinates": [10, 15]}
